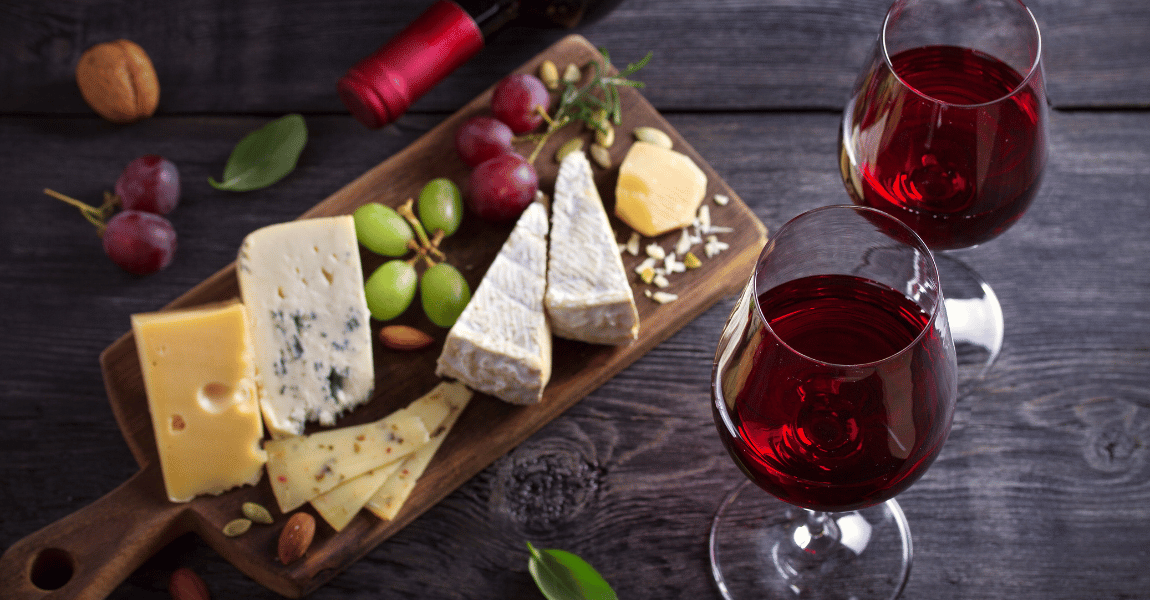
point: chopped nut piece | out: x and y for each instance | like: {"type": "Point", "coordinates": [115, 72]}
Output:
{"type": "Point", "coordinates": [722, 199]}
{"type": "Point", "coordinates": [664, 297]}
{"type": "Point", "coordinates": [683, 246]}
{"type": "Point", "coordinates": [633, 244]}
{"type": "Point", "coordinates": [705, 219]}
{"type": "Point", "coordinates": [714, 246]}
{"type": "Point", "coordinates": [672, 265]}
{"type": "Point", "coordinates": [660, 281]}
{"type": "Point", "coordinates": [655, 251]}
{"type": "Point", "coordinates": [649, 263]}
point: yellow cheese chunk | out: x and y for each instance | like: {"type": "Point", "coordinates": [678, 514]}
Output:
{"type": "Point", "coordinates": [200, 382]}
{"type": "Point", "coordinates": [658, 189]}
{"type": "Point", "coordinates": [438, 409]}
{"type": "Point", "coordinates": [394, 491]}
{"type": "Point", "coordinates": [303, 467]}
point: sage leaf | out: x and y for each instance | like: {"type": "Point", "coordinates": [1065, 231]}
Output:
{"type": "Point", "coordinates": [562, 575]}
{"type": "Point", "coordinates": [264, 156]}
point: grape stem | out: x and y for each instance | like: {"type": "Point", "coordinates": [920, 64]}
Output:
{"type": "Point", "coordinates": [426, 246]}
{"type": "Point", "coordinates": [96, 216]}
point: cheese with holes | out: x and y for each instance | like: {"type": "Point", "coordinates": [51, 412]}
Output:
{"type": "Point", "coordinates": [302, 284]}
{"type": "Point", "coordinates": [589, 296]}
{"type": "Point", "coordinates": [303, 467]}
{"type": "Point", "coordinates": [501, 342]}
{"type": "Point", "coordinates": [439, 409]}
{"type": "Point", "coordinates": [200, 383]}
{"type": "Point", "coordinates": [658, 189]}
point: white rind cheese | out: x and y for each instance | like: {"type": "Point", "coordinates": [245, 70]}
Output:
{"type": "Point", "coordinates": [589, 298]}
{"type": "Point", "coordinates": [501, 343]}
{"type": "Point", "coordinates": [302, 284]}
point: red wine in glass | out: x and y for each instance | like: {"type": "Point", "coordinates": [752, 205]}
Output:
{"type": "Point", "coordinates": [951, 142]}
{"type": "Point", "coordinates": [824, 437]}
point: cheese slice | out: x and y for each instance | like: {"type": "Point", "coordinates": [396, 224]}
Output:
{"type": "Point", "coordinates": [501, 342]}
{"type": "Point", "coordinates": [438, 409]}
{"type": "Point", "coordinates": [200, 383]}
{"type": "Point", "coordinates": [303, 467]}
{"type": "Point", "coordinates": [588, 297]}
{"type": "Point", "coordinates": [658, 189]}
{"type": "Point", "coordinates": [302, 284]}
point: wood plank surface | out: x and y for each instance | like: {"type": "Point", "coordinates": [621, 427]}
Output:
{"type": "Point", "coordinates": [1042, 491]}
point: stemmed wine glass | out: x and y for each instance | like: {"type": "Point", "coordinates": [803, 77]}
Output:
{"type": "Point", "coordinates": [946, 130]}
{"type": "Point", "coordinates": [833, 389]}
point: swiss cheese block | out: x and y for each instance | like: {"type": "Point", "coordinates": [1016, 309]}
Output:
{"type": "Point", "coordinates": [200, 383]}
{"type": "Point", "coordinates": [302, 284]}
{"type": "Point", "coordinates": [303, 467]}
{"type": "Point", "coordinates": [438, 408]}
{"type": "Point", "coordinates": [501, 342]}
{"type": "Point", "coordinates": [589, 296]}
{"type": "Point", "coordinates": [658, 189]}
{"type": "Point", "coordinates": [395, 489]}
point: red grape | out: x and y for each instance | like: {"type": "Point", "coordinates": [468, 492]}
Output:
{"type": "Point", "coordinates": [149, 183]}
{"type": "Point", "coordinates": [481, 138]}
{"type": "Point", "coordinates": [501, 187]}
{"type": "Point", "coordinates": [140, 242]}
{"type": "Point", "coordinates": [515, 99]}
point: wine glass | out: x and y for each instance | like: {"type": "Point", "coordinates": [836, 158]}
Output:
{"type": "Point", "coordinates": [946, 130]}
{"type": "Point", "coordinates": [833, 389]}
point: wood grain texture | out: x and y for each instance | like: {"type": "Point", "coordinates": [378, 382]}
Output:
{"type": "Point", "coordinates": [1041, 492]}
{"type": "Point", "coordinates": [267, 56]}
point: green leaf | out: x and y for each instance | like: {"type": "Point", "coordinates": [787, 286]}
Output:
{"type": "Point", "coordinates": [264, 156]}
{"type": "Point", "coordinates": [562, 575]}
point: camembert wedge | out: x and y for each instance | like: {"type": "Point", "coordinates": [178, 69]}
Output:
{"type": "Point", "coordinates": [501, 343]}
{"type": "Point", "coordinates": [589, 298]}
{"type": "Point", "coordinates": [302, 284]}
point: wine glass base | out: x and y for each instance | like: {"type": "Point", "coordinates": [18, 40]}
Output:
{"type": "Point", "coordinates": [756, 551]}
{"type": "Point", "coordinates": [974, 314]}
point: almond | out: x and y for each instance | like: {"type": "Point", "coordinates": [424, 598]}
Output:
{"type": "Point", "coordinates": [118, 81]}
{"type": "Point", "coordinates": [403, 337]}
{"type": "Point", "coordinates": [296, 537]}
{"type": "Point", "coordinates": [186, 585]}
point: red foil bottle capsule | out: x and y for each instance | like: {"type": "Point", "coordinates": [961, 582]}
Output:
{"type": "Point", "coordinates": [382, 86]}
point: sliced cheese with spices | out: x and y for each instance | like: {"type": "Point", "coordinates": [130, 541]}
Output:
{"type": "Point", "coordinates": [589, 297]}
{"type": "Point", "coordinates": [397, 487]}
{"type": "Point", "coordinates": [501, 342]}
{"type": "Point", "coordinates": [302, 284]}
{"type": "Point", "coordinates": [200, 384]}
{"type": "Point", "coordinates": [658, 189]}
{"type": "Point", "coordinates": [438, 409]}
{"type": "Point", "coordinates": [303, 467]}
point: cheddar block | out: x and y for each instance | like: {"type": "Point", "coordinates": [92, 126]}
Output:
{"type": "Point", "coordinates": [303, 467]}
{"type": "Point", "coordinates": [391, 495]}
{"type": "Point", "coordinates": [200, 381]}
{"type": "Point", "coordinates": [339, 505]}
{"type": "Point", "coordinates": [658, 189]}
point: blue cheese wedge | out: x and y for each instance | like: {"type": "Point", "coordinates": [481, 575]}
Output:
{"type": "Point", "coordinates": [302, 285]}
{"type": "Point", "coordinates": [501, 343]}
{"type": "Point", "coordinates": [589, 298]}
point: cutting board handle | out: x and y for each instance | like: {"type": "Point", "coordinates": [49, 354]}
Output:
{"type": "Point", "coordinates": [91, 551]}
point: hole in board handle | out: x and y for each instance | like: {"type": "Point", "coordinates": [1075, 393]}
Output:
{"type": "Point", "coordinates": [52, 569]}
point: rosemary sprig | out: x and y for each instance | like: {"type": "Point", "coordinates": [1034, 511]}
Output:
{"type": "Point", "coordinates": [596, 103]}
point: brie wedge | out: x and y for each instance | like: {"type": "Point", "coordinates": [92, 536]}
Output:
{"type": "Point", "coordinates": [588, 296]}
{"type": "Point", "coordinates": [501, 343]}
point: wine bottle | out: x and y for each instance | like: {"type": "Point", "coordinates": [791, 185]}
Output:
{"type": "Point", "coordinates": [381, 87]}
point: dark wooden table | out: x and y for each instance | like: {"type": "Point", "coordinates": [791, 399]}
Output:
{"type": "Point", "coordinates": [1042, 491]}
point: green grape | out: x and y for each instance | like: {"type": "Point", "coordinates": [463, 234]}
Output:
{"type": "Point", "coordinates": [382, 230]}
{"type": "Point", "coordinates": [444, 293]}
{"type": "Point", "coordinates": [390, 289]}
{"type": "Point", "coordinates": [440, 206]}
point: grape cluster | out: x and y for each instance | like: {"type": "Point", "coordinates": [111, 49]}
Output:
{"type": "Point", "coordinates": [502, 182]}
{"type": "Point", "coordinates": [138, 238]}
{"type": "Point", "coordinates": [391, 288]}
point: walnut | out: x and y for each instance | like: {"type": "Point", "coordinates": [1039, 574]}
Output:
{"type": "Point", "coordinates": [118, 81]}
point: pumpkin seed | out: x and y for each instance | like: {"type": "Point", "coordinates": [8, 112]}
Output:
{"type": "Point", "coordinates": [600, 155]}
{"type": "Point", "coordinates": [652, 135]}
{"type": "Point", "coordinates": [237, 527]}
{"type": "Point", "coordinates": [257, 513]}
{"type": "Point", "coordinates": [568, 147]}
{"type": "Point", "coordinates": [549, 73]}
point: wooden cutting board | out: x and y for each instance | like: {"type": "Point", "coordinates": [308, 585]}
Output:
{"type": "Point", "coordinates": [87, 554]}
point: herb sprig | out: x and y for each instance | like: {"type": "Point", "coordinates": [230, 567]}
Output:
{"type": "Point", "coordinates": [596, 103]}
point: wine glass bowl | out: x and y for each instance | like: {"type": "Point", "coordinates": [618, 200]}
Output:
{"type": "Point", "coordinates": [833, 390]}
